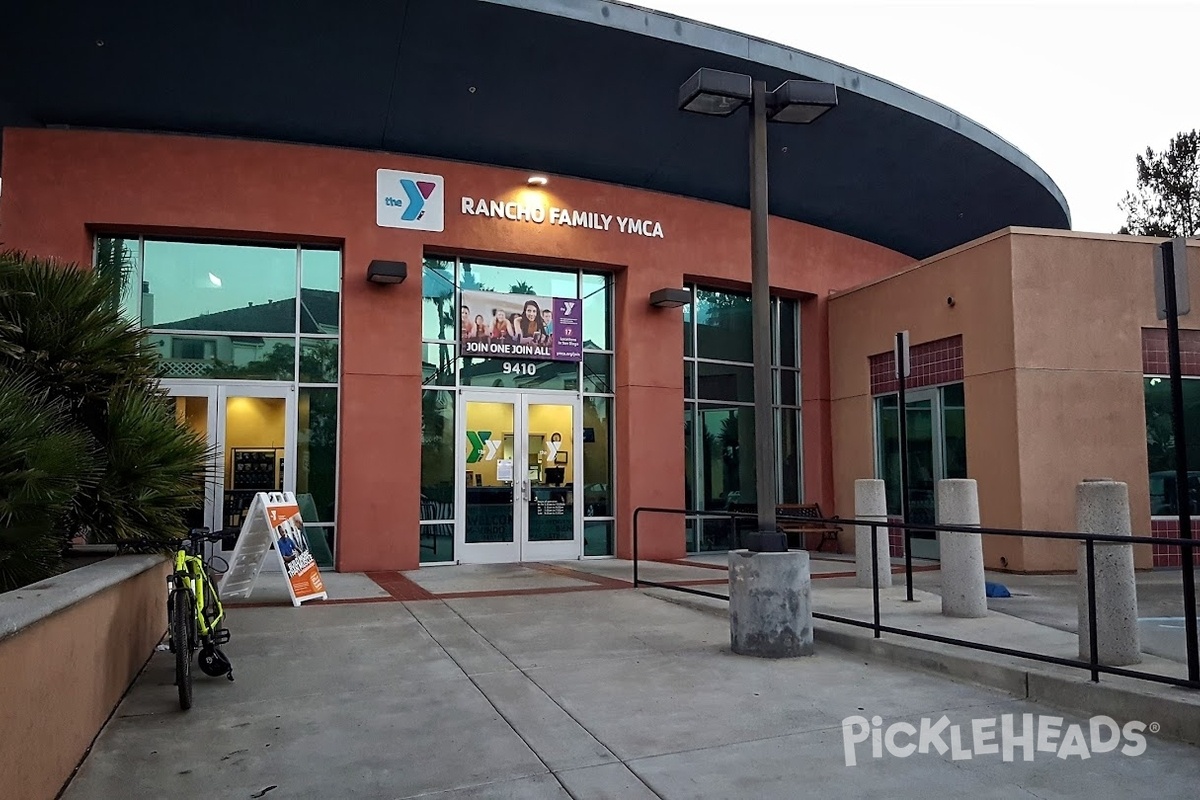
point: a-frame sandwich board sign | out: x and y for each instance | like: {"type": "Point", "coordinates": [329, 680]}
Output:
{"type": "Point", "coordinates": [273, 519]}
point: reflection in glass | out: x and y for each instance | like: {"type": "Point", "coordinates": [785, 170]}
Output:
{"type": "Point", "coordinates": [598, 538]}
{"type": "Point", "coordinates": [218, 287]}
{"type": "Point", "coordinates": [597, 373]}
{"type": "Point", "coordinates": [553, 460]}
{"type": "Point", "coordinates": [518, 280]}
{"type": "Point", "coordinates": [597, 457]}
{"type": "Point", "coordinates": [224, 356]}
{"type": "Point", "coordinates": [787, 343]}
{"type": "Point", "coordinates": [688, 332]}
{"type": "Point", "coordinates": [1160, 444]}
{"type": "Point", "coordinates": [689, 461]}
{"type": "Point", "coordinates": [597, 292]}
{"type": "Point", "coordinates": [437, 364]}
{"type": "Point", "coordinates": [922, 475]}
{"type": "Point", "coordinates": [727, 458]}
{"type": "Point", "coordinates": [117, 265]}
{"type": "Point", "coordinates": [437, 454]}
{"type": "Point", "coordinates": [723, 326]}
{"type": "Point", "coordinates": [316, 451]}
{"type": "Point", "coordinates": [724, 382]}
{"type": "Point", "coordinates": [954, 432]}
{"type": "Point", "coordinates": [320, 286]}
{"type": "Point", "coordinates": [437, 543]}
{"type": "Point", "coordinates": [318, 360]}
{"type": "Point", "coordinates": [490, 472]}
{"type": "Point", "coordinates": [438, 315]}
{"type": "Point", "coordinates": [320, 541]}
{"type": "Point", "coordinates": [787, 454]}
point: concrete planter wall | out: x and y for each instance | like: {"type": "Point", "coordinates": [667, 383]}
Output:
{"type": "Point", "coordinates": [70, 646]}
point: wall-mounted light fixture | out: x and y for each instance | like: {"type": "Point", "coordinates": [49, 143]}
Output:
{"type": "Point", "coordinates": [537, 180]}
{"type": "Point", "coordinates": [387, 271]}
{"type": "Point", "coordinates": [670, 298]}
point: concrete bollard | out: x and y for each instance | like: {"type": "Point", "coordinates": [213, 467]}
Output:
{"type": "Point", "coordinates": [1102, 506]}
{"type": "Point", "coordinates": [964, 593]}
{"type": "Point", "coordinates": [870, 503]}
{"type": "Point", "coordinates": [770, 604]}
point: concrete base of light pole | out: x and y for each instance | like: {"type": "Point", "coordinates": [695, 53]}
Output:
{"type": "Point", "coordinates": [964, 591]}
{"type": "Point", "coordinates": [1103, 507]}
{"type": "Point", "coordinates": [870, 503]}
{"type": "Point", "coordinates": [770, 604]}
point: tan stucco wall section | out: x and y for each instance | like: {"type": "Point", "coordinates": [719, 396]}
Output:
{"type": "Point", "coordinates": [64, 674]}
{"type": "Point", "coordinates": [864, 321]}
{"type": "Point", "coordinates": [1052, 327]}
{"type": "Point", "coordinates": [1080, 303]}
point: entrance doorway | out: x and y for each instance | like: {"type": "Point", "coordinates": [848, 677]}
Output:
{"type": "Point", "coordinates": [249, 433]}
{"type": "Point", "coordinates": [936, 450]}
{"type": "Point", "coordinates": [520, 466]}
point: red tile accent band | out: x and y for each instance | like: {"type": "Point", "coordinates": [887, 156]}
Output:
{"type": "Point", "coordinates": [933, 363]}
{"type": "Point", "coordinates": [1154, 352]}
{"type": "Point", "coordinates": [400, 587]}
{"type": "Point", "coordinates": [1167, 555]}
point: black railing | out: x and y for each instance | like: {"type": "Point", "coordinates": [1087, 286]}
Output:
{"type": "Point", "coordinates": [1089, 541]}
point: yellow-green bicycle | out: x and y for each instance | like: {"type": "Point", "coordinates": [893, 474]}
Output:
{"type": "Point", "coordinates": [195, 614]}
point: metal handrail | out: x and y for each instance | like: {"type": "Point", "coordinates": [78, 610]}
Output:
{"type": "Point", "coordinates": [1089, 540]}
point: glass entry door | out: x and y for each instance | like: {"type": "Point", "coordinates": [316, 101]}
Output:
{"type": "Point", "coordinates": [924, 462]}
{"type": "Point", "coordinates": [519, 463]}
{"type": "Point", "coordinates": [250, 433]}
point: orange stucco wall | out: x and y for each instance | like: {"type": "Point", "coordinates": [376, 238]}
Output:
{"type": "Point", "coordinates": [64, 674]}
{"type": "Point", "coordinates": [1051, 324]}
{"type": "Point", "coordinates": [61, 187]}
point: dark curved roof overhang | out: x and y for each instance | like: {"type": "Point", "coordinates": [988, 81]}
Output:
{"type": "Point", "coordinates": [576, 87]}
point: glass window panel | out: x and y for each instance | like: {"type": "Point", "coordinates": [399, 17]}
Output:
{"type": "Point", "coordinates": [219, 287]}
{"type": "Point", "coordinates": [787, 348]}
{"type": "Point", "coordinates": [117, 264]}
{"type": "Point", "coordinates": [717, 534]}
{"type": "Point", "coordinates": [321, 543]}
{"type": "Point", "coordinates": [597, 457]}
{"type": "Point", "coordinates": [597, 373]}
{"type": "Point", "coordinates": [520, 374]}
{"type": "Point", "coordinates": [954, 432]}
{"type": "Point", "coordinates": [553, 461]}
{"type": "Point", "coordinates": [316, 452]}
{"type": "Point", "coordinates": [787, 387]}
{"type": "Point", "coordinates": [320, 288]}
{"type": "Point", "coordinates": [488, 443]}
{"type": "Point", "coordinates": [689, 380]}
{"type": "Point", "coordinates": [597, 300]}
{"type": "Point", "coordinates": [598, 538]}
{"type": "Point", "coordinates": [518, 280]}
{"type": "Point", "coordinates": [690, 529]}
{"type": "Point", "coordinates": [230, 356]}
{"type": "Point", "coordinates": [318, 360]}
{"type": "Point", "coordinates": [437, 543]}
{"type": "Point", "coordinates": [724, 382]}
{"type": "Point", "coordinates": [439, 317]}
{"type": "Point", "coordinates": [437, 455]}
{"type": "Point", "coordinates": [887, 442]}
{"type": "Point", "coordinates": [723, 326]}
{"type": "Point", "coordinates": [921, 477]}
{"type": "Point", "coordinates": [726, 474]}
{"type": "Point", "coordinates": [688, 330]}
{"type": "Point", "coordinates": [1160, 444]}
{"type": "Point", "coordinates": [689, 456]}
{"type": "Point", "coordinates": [437, 364]}
{"type": "Point", "coordinates": [788, 454]}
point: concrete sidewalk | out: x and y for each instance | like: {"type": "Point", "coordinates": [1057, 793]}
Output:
{"type": "Point", "coordinates": [599, 694]}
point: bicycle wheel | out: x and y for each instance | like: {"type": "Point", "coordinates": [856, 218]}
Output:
{"type": "Point", "coordinates": [182, 622]}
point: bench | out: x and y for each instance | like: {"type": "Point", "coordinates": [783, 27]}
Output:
{"type": "Point", "coordinates": [792, 520]}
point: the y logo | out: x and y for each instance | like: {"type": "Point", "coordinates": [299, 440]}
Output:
{"type": "Point", "coordinates": [568, 307]}
{"type": "Point", "coordinates": [409, 200]}
{"type": "Point", "coordinates": [479, 442]}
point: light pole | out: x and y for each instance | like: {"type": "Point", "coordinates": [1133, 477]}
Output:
{"type": "Point", "coordinates": [719, 93]}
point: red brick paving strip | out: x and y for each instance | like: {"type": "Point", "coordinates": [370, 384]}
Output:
{"type": "Point", "coordinates": [400, 587]}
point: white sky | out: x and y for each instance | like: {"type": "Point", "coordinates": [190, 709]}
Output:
{"type": "Point", "coordinates": [1080, 87]}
